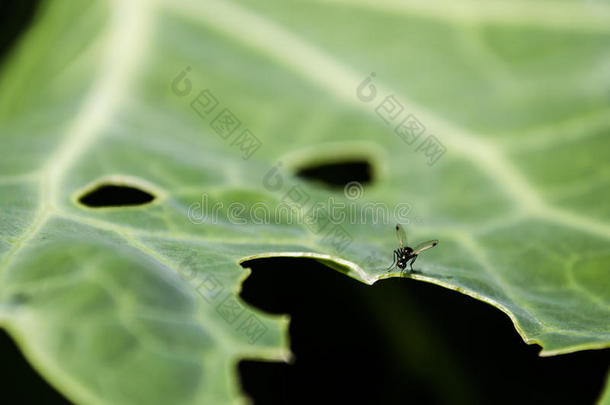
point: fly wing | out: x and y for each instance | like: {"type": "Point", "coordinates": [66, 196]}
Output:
{"type": "Point", "coordinates": [401, 235]}
{"type": "Point", "coordinates": [425, 246]}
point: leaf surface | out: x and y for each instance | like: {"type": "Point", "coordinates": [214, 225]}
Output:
{"type": "Point", "coordinates": [104, 301]}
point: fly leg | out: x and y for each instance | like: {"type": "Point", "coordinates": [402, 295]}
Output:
{"type": "Point", "coordinates": [411, 263]}
{"type": "Point", "coordinates": [395, 257]}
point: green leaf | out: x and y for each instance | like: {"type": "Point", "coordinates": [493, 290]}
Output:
{"type": "Point", "coordinates": [104, 301]}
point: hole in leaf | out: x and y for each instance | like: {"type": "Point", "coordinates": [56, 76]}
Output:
{"type": "Point", "coordinates": [20, 382]}
{"type": "Point", "coordinates": [401, 341]}
{"type": "Point", "coordinates": [115, 195]}
{"type": "Point", "coordinates": [15, 18]}
{"type": "Point", "coordinates": [338, 174]}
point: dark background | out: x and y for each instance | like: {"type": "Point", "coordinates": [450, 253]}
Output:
{"type": "Point", "coordinates": [397, 342]}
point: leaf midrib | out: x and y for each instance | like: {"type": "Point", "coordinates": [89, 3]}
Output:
{"type": "Point", "coordinates": [128, 34]}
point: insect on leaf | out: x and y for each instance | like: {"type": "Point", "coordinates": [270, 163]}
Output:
{"type": "Point", "coordinates": [505, 161]}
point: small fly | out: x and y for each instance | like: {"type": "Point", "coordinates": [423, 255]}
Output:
{"type": "Point", "coordinates": [403, 254]}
